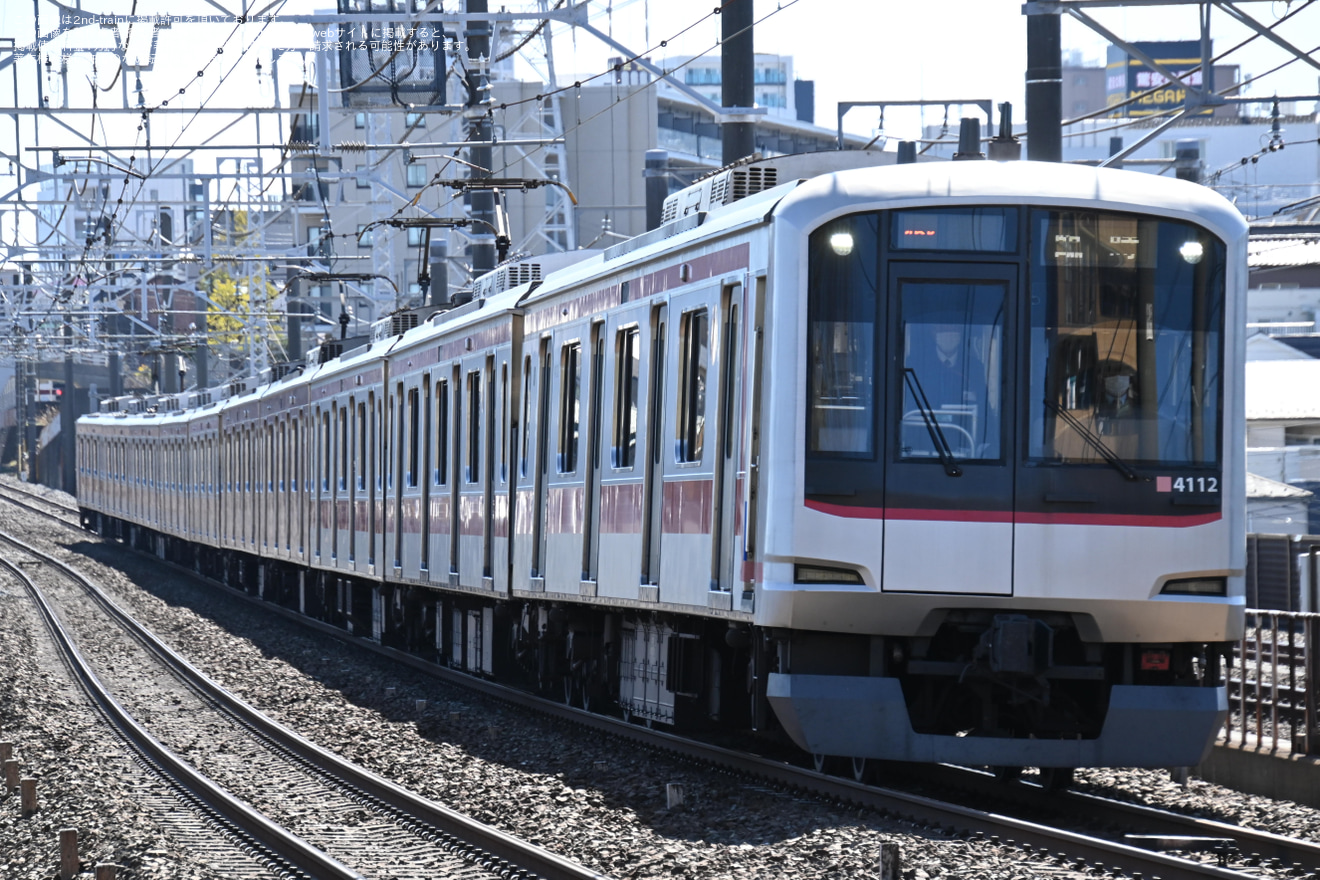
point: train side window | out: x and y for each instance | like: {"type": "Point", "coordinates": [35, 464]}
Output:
{"type": "Point", "coordinates": [730, 371]}
{"type": "Point", "coordinates": [570, 386]}
{"type": "Point", "coordinates": [474, 428]}
{"type": "Point", "coordinates": [694, 362]}
{"type": "Point", "coordinates": [627, 356]}
{"type": "Point", "coordinates": [393, 425]}
{"type": "Point", "coordinates": [503, 441]}
{"type": "Point", "coordinates": [325, 451]}
{"type": "Point", "coordinates": [343, 448]}
{"type": "Point", "coordinates": [373, 432]}
{"type": "Point", "coordinates": [361, 477]}
{"type": "Point", "coordinates": [525, 426]}
{"type": "Point", "coordinates": [428, 423]}
{"type": "Point", "coordinates": [441, 476]}
{"type": "Point", "coordinates": [414, 436]}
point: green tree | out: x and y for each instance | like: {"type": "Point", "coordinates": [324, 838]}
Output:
{"type": "Point", "coordinates": [231, 296]}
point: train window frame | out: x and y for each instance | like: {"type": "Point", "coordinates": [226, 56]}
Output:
{"type": "Point", "coordinates": [502, 425]}
{"type": "Point", "coordinates": [440, 474]}
{"type": "Point", "coordinates": [844, 253]}
{"type": "Point", "coordinates": [526, 427]}
{"type": "Point", "coordinates": [391, 427]}
{"type": "Point", "coordinates": [728, 369]}
{"type": "Point", "coordinates": [627, 387]}
{"type": "Point", "coordinates": [376, 419]}
{"type": "Point", "coordinates": [343, 457]}
{"type": "Point", "coordinates": [325, 451]}
{"type": "Point", "coordinates": [971, 307]}
{"type": "Point", "coordinates": [284, 454]}
{"type": "Point", "coordinates": [1151, 417]}
{"type": "Point", "coordinates": [428, 423]}
{"type": "Point", "coordinates": [693, 379]}
{"type": "Point", "coordinates": [472, 463]}
{"type": "Point", "coordinates": [414, 437]}
{"type": "Point", "coordinates": [570, 406]}
{"type": "Point", "coordinates": [360, 413]}
{"type": "Point", "coordinates": [293, 440]}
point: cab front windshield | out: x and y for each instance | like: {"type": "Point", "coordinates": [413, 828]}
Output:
{"type": "Point", "coordinates": [1125, 352]}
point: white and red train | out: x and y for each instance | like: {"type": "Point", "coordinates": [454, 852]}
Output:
{"type": "Point", "coordinates": [935, 462]}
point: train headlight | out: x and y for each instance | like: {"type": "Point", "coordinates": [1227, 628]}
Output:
{"type": "Point", "coordinates": [1192, 251]}
{"type": "Point", "coordinates": [841, 243]}
{"type": "Point", "coordinates": [821, 574]}
{"type": "Point", "coordinates": [1196, 587]}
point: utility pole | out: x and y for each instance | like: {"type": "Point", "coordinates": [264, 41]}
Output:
{"type": "Point", "coordinates": [657, 186]}
{"type": "Point", "coordinates": [31, 428]}
{"type": "Point", "coordinates": [482, 202]}
{"type": "Point", "coordinates": [68, 417]}
{"type": "Point", "coordinates": [737, 87]}
{"type": "Point", "coordinates": [1044, 88]}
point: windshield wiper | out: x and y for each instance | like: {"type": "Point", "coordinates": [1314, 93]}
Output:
{"type": "Point", "coordinates": [942, 447]}
{"type": "Point", "coordinates": [1093, 440]}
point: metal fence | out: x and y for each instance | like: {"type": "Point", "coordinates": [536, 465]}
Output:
{"type": "Point", "coordinates": [1271, 704]}
{"type": "Point", "coordinates": [1271, 700]}
{"type": "Point", "coordinates": [1283, 572]}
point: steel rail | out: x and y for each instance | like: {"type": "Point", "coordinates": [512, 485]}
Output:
{"type": "Point", "coordinates": [902, 805]}
{"type": "Point", "coordinates": [1142, 819]}
{"type": "Point", "coordinates": [895, 804]}
{"type": "Point", "coordinates": [237, 815]}
{"type": "Point", "coordinates": [491, 842]}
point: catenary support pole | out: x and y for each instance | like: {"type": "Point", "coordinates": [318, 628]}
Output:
{"type": "Point", "coordinates": [1044, 89]}
{"type": "Point", "coordinates": [737, 61]}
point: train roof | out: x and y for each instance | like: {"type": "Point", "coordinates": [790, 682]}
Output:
{"type": "Point", "coordinates": [1030, 183]}
{"type": "Point", "coordinates": [750, 211]}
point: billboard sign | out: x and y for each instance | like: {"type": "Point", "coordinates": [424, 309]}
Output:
{"type": "Point", "coordinates": [1126, 77]}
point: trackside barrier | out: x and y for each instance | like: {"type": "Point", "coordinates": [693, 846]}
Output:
{"type": "Point", "coordinates": [1271, 688]}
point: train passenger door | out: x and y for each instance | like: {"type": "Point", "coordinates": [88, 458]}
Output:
{"type": "Point", "coordinates": [591, 466]}
{"type": "Point", "coordinates": [456, 478]}
{"type": "Point", "coordinates": [424, 478]}
{"type": "Point", "coordinates": [394, 477]}
{"type": "Point", "coordinates": [489, 409]}
{"type": "Point", "coordinates": [729, 423]}
{"type": "Point", "coordinates": [351, 455]}
{"type": "Point", "coordinates": [653, 491]}
{"type": "Point", "coordinates": [373, 477]}
{"type": "Point", "coordinates": [540, 486]}
{"type": "Point", "coordinates": [949, 477]}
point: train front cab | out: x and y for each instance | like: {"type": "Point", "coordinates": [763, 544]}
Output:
{"type": "Point", "coordinates": [1004, 537]}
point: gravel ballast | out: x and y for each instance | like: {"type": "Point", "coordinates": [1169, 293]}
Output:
{"type": "Point", "coordinates": [583, 795]}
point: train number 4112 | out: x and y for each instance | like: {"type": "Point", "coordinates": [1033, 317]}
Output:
{"type": "Point", "coordinates": [1186, 484]}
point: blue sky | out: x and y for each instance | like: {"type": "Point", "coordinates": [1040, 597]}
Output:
{"type": "Point", "coordinates": [938, 49]}
{"type": "Point", "coordinates": [853, 50]}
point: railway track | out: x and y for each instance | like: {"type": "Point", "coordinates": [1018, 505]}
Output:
{"type": "Point", "coordinates": [1128, 846]}
{"type": "Point", "coordinates": [48, 508]}
{"type": "Point", "coordinates": [1135, 824]}
{"type": "Point", "coordinates": [1126, 841]}
{"type": "Point", "coordinates": [335, 819]}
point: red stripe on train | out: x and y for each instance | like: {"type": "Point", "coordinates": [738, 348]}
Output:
{"type": "Point", "coordinates": [1003, 516]}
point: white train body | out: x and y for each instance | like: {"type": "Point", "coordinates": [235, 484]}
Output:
{"type": "Point", "coordinates": [939, 462]}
